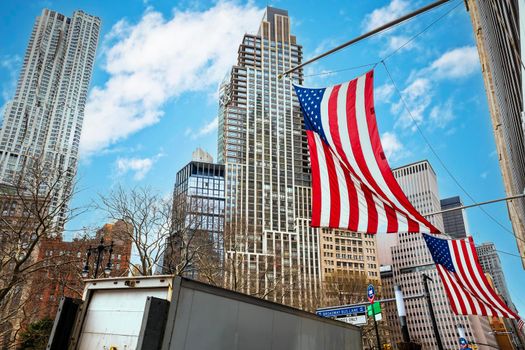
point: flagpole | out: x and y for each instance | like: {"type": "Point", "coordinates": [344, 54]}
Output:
{"type": "Point", "coordinates": [368, 34]}
{"type": "Point", "coordinates": [476, 204]}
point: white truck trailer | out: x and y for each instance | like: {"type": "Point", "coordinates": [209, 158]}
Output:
{"type": "Point", "coordinates": [174, 313]}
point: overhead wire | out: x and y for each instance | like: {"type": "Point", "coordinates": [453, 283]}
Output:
{"type": "Point", "coordinates": [382, 61]}
{"type": "Point", "coordinates": [395, 51]}
{"type": "Point", "coordinates": [440, 160]}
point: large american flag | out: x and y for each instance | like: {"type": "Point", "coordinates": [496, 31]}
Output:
{"type": "Point", "coordinates": [467, 287]}
{"type": "Point", "coordinates": [352, 184]}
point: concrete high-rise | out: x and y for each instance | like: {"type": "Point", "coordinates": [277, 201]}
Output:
{"type": "Point", "coordinates": [491, 264]}
{"type": "Point", "coordinates": [454, 222]}
{"type": "Point", "coordinates": [263, 146]}
{"type": "Point", "coordinates": [500, 37]}
{"type": "Point", "coordinates": [410, 259]}
{"type": "Point", "coordinates": [44, 119]}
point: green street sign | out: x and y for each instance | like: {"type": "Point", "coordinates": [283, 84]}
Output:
{"type": "Point", "coordinates": [373, 309]}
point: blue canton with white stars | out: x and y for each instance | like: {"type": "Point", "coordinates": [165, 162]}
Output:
{"type": "Point", "coordinates": [310, 100]}
{"type": "Point", "coordinates": [440, 251]}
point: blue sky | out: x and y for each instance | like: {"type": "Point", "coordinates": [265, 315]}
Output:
{"type": "Point", "coordinates": [153, 96]}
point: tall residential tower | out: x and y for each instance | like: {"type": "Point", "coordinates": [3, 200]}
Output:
{"type": "Point", "coordinates": [44, 120]}
{"type": "Point", "coordinates": [263, 146]}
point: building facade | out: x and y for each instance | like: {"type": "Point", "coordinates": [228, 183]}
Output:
{"type": "Point", "coordinates": [499, 32]}
{"type": "Point", "coordinates": [62, 277]}
{"type": "Point", "coordinates": [264, 149]}
{"type": "Point", "coordinates": [491, 264]}
{"type": "Point", "coordinates": [196, 247]}
{"type": "Point", "coordinates": [454, 222]}
{"type": "Point", "coordinates": [263, 145]}
{"type": "Point", "coordinates": [43, 122]}
{"type": "Point", "coordinates": [411, 259]}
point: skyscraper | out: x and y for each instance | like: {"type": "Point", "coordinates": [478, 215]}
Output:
{"type": "Point", "coordinates": [263, 146]}
{"type": "Point", "coordinates": [491, 264]}
{"type": "Point", "coordinates": [500, 38]}
{"type": "Point", "coordinates": [410, 259]}
{"type": "Point", "coordinates": [454, 222]}
{"type": "Point", "coordinates": [44, 119]}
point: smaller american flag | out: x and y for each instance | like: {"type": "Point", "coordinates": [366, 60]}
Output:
{"type": "Point", "coordinates": [520, 324]}
{"type": "Point", "coordinates": [468, 290]}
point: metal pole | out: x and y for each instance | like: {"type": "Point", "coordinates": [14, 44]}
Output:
{"type": "Point", "coordinates": [402, 313]}
{"type": "Point", "coordinates": [476, 204]}
{"type": "Point", "coordinates": [432, 315]}
{"type": "Point", "coordinates": [100, 249]}
{"type": "Point", "coordinates": [368, 34]}
{"type": "Point", "coordinates": [377, 331]}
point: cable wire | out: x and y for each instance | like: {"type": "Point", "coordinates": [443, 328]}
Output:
{"type": "Point", "coordinates": [439, 158]}
{"type": "Point", "coordinates": [395, 51]}
{"type": "Point", "coordinates": [421, 32]}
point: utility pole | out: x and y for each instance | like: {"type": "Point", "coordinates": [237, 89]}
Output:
{"type": "Point", "coordinates": [377, 330]}
{"type": "Point", "coordinates": [431, 309]}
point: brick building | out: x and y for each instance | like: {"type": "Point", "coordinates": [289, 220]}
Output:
{"type": "Point", "coordinates": [62, 277]}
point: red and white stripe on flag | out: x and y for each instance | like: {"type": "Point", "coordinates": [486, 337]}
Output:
{"type": "Point", "coordinates": [353, 186]}
{"type": "Point", "coordinates": [468, 289]}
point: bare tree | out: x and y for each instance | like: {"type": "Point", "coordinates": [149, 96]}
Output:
{"type": "Point", "coordinates": [34, 207]}
{"type": "Point", "coordinates": [344, 287]}
{"type": "Point", "coordinates": [149, 216]}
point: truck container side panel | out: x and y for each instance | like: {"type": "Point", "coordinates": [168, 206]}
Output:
{"type": "Point", "coordinates": [286, 332]}
{"type": "Point", "coordinates": [333, 338]}
{"type": "Point", "coordinates": [212, 322]}
{"type": "Point", "coordinates": [217, 321]}
{"type": "Point", "coordinates": [114, 318]}
{"type": "Point", "coordinates": [312, 334]}
{"type": "Point", "coordinates": [255, 327]}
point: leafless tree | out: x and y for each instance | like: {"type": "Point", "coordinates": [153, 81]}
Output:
{"type": "Point", "coordinates": [149, 216]}
{"type": "Point", "coordinates": [33, 207]}
{"type": "Point", "coordinates": [344, 287]}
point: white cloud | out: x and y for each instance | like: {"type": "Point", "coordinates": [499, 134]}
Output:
{"type": "Point", "coordinates": [382, 15]}
{"type": "Point", "coordinates": [396, 42]}
{"type": "Point", "coordinates": [418, 96]}
{"type": "Point", "coordinates": [139, 166]}
{"type": "Point", "coordinates": [393, 148]}
{"type": "Point", "coordinates": [441, 115]}
{"type": "Point", "coordinates": [383, 93]}
{"type": "Point", "coordinates": [206, 129]}
{"type": "Point", "coordinates": [209, 127]}
{"type": "Point", "coordinates": [156, 60]}
{"type": "Point", "coordinates": [454, 64]}
{"type": "Point", "coordinates": [457, 63]}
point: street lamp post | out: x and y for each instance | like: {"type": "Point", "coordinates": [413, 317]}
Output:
{"type": "Point", "coordinates": [431, 310]}
{"type": "Point", "coordinates": [99, 250]}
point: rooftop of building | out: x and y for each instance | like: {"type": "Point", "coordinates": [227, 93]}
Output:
{"type": "Point", "coordinates": [451, 201]}
{"type": "Point", "coordinates": [424, 161]}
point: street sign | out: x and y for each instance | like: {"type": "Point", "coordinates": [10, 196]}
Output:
{"type": "Point", "coordinates": [463, 343]}
{"type": "Point", "coordinates": [370, 293]}
{"type": "Point", "coordinates": [355, 320]}
{"type": "Point", "coordinates": [342, 311]}
{"type": "Point", "coordinates": [373, 309]}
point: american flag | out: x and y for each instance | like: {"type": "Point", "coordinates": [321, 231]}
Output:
{"type": "Point", "coordinates": [467, 287]}
{"type": "Point", "coordinates": [352, 184]}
